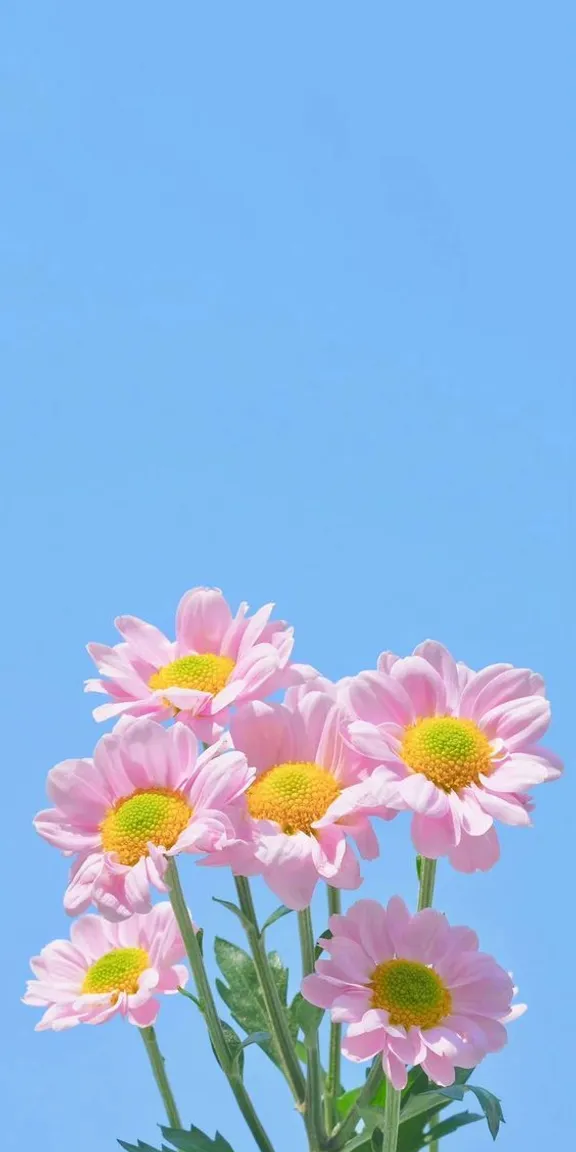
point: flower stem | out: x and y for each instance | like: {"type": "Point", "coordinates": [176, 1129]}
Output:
{"type": "Point", "coordinates": [348, 1125]}
{"type": "Point", "coordinates": [427, 880]}
{"type": "Point", "coordinates": [332, 1085]}
{"type": "Point", "coordinates": [274, 1007]}
{"type": "Point", "coordinates": [223, 1055]}
{"type": "Point", "coordinates": [391, 1118]}
{"type": "Point", "coordinates": [315, 1126]}
{"type": "Point", "coordinates": [158, 1066]}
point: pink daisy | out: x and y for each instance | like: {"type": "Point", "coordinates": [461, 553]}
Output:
{"type": "Point", "coordinates": [460, 745]}
{"type": "Point", "coordinates": [216, 660]}
{"type": "Point", "coordinates": [307, 801]}
{"type": "Point", "coordinates": [108, 968]}
{"type": "Point", "coordinates": [413, 989]}
{"type": "Point", "coordinates": [147, 794]}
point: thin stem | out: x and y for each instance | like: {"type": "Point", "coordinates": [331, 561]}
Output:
{"type": "Point", "coordinates": [391, 1118]}
{"type": "Point", "coordinates": [332, 1085]}
{"type": "Point", "coordinates": [434, 1146]}
{"type": "Point", "coordinates": [223, 1055]}
{"type": "Point", "coordinates": [315, 1127]}
{"type": "Point", "coordinates": [348, 1125]}
{"type": "Point", "coordinates": [274, 1007]}
{"type": "Point", "coordinates": [427, 880]}
{"type": "Point", "coordinates": [158, 1066]}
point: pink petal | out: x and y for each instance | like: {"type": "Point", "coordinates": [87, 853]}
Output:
{"type": "Point", "coordinates": [380, 699]}
{"type": "Point", "coordinates": [144, 1015]}
{"type": "Point", "coordinates": [422, 684]}
{"type": "Point", "coordinates": [265, 733]}
{"type": "Point", "coordinates": [476, 853]}
{"type": "Point", "coordinates": [371, 921]}
{"type": "Point", "coordinates": [519, 723]}
{"type": "Point", "coordinates": [432, 837]}
{"type": "Point", "coordinates": [147, 641]}
{"type": "Point", "coordinates": [444, 664]}
{"type": "Point", "coordinates": [202, 618]}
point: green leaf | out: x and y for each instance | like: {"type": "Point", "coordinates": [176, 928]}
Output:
{"type": "Point", "coordinates": [451, 1124]}
{"type": "Point", "coordinates": [305, 1016]}
{"type": "Point", "coordinates": [195, 1140]}
{"type": "Point", "coordinates": [377, 1141]}
{"type": "Point", "coordinates": [235, 1046]}
{"type": "Point", "coordinates": [327, 935]}
{"type": "Point", "coordinates": [140, 1147]}
{"type": "Point", "coordinates": [277, 915]}
{"type": "Point", "coordinates": [419, 867]}
{"type": "Point", "coordinates": [422, 1103]}
{"type": "Point", "coordinates": [242, 994]}
{"type": "Point", "coordinates": [491, 1108]}
{"type": "Point", "coordinates": [233, 908]}
{"type": "Point", "coordinates": [345, 1102]}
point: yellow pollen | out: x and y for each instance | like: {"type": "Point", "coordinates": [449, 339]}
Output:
{"type": "Point", "coordinates": [413, 995]}
{"type": "Point", "coordinates": [203, 672]}
{"type": "Point", "coordinates": [451, 752]}
{"type": "Point", "coordinates": [294, 795]}
{"type": "Point", "coordinates": [116, 971]}
{"type": "Point", "coordinates": [158, 815]}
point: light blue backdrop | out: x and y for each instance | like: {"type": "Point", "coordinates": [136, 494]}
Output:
{"type": "Point", "coordinates": [287, 299]}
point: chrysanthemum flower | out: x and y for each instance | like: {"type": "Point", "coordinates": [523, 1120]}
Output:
{"type": "Point", "coordinates": [413, 989]}
{"type": "Point", "coordinates": [107, 968]}
{"type": "Point", "coordinates": [307, 800]}
{"type": "Point", "coordinates": [461, 746]}
{"type": "Point", "coordinates": [216, 660]}
{"type": "Point", "coordinates": [147, 794]}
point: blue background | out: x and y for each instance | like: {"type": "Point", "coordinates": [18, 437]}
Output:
{"type": "Point", "coordinates": [286, 294]}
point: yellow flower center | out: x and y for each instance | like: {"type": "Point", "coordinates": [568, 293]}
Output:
{"type": "Point", "coordinates": [116, 971]}
{"type": "Point", "coordinates": [294, 795]}
{"type": "Point", "coordinates": [158, 815]}
{"type": "Point", "coordinates": [451, 752]}
{"type": "Point", "coordinates": [413, 995]}
{"type": "Point", "coordinates": [203, 672]}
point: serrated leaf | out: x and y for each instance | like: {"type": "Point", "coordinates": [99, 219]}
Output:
{"type": "Point", "coordinates": [139, 1147]}
{"type": "Point", "coordinates": [423, 1102]}
{"type": "Point", "coordinates": [233, 908]}
{"type": "Point", "coordinates": [195, 1140]}
{"type": "Point", "coordinates": [277, 915]}
{"type": "Point", "coordinates": [451, 1124]}
{"type": "Point", "coordinates": [491, 1108]}
{"type": "Point", "coordinates": [235, 1046]}
{"type": "Point", "coordinates": [305, 1016]}
{"type": "Point", "coordinates": [242, 994]}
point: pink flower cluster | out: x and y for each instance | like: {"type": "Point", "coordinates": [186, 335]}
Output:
{"type": "Point", "coordinates": [288, 791]}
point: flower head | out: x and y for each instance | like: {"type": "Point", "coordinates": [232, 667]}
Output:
{"type": "Point", "coordinates": [308, 799]}
{"type": "Point", "coordinates": [147, 794]}
{"type": "Point", "coordinates": [413, 989]}
{"type": "Point", "coordinates": [216, 660]}
{"type": "Point", "coordinates": [105, 968]}
{"type": "Point", "coordinates": [460, 745]}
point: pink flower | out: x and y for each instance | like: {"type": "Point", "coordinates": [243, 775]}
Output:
{"type": "Point", "coordinates": [216, 660]}
{"type": "Point", "coordinates": [146, 795]}
{"type": "Point", "coordinates": [461, 746]}
{"type": "Point", "coordinates": [307, 799]}
{"type": "Point", "coordinates": [411, 988]}
{"type": "Point", "coordinates": [108, 968]}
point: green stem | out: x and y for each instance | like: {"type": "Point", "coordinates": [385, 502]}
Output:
{"type": "Point", "coordinates": [425, 900]}
{"type": "Point", "coordinates": [427, 880]}
{"type": "Point", "coordinates": [348, 1125]}
{"type": "Point", "coordinates": [274, 1007]}
{"type": "Point", "coordinates": [158, 1066]}
{"type": "Point", "coordinates": [223, 1055]}
{"type": "Point", "coordinates": [391, 1118]}
{"type": "Point", "coordinates": [315, 1126]}
{"type": "Point", "coordinates": [332, 1085]}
